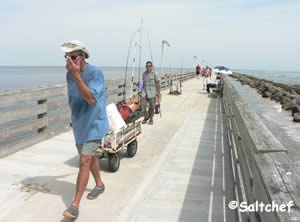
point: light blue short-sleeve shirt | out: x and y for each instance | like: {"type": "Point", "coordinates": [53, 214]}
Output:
{"type": "Point", "coordinates": [89, 122]}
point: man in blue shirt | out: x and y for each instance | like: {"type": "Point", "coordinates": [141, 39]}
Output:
{"type": "Point", "coordinates": [87, 100]}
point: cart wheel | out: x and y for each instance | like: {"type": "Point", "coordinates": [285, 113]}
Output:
{"type": "Point", "coordinates": [113, 162]}
{"type": "Point", "coordinates": [132, 148]}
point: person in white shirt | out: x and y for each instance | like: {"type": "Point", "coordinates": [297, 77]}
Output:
{"type": "Point", "coordinates": [213, 84]}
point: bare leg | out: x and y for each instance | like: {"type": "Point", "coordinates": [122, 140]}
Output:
{"type": "Point", "coordinates": [82, 178]}
{"type": "Point", "coordinates": [95, 169]}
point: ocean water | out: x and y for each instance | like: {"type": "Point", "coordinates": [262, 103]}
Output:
{"type": "Point", "coordinates": [20, 77]}
{"type": "Point", "coordinates": [288, 77]}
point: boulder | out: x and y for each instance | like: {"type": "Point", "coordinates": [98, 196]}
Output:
{"type": "Point", "coordinates": [296, 117]}
{"type": "Point", "coordinates": [266, 94]}
{"type": "Point", "coordinates": [298, 100]}
{"type": "Point", "coordinates": [252, 84]}
{"type": "Point", "coordinates": [288, 105]}
{"type": "Point", "coordinates": [273, 90]}
{"type": "Point", "coordinates": [295, 109]}
{"type": "Point", "coordinates": [277, 95]}
{"type": "Point", "coordinates": [285, 99]}
{"type": "Point", "coordinates": [263, 89]}
{"type": "Point", "coordinates": [287, 95]}
{"type": "Point", "coordinates": [292, 96]}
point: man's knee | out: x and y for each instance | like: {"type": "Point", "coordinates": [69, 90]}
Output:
{"type": "Point", "coordinates": [85, 161]}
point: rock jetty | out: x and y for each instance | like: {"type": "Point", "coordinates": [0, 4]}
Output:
{"type": "Point", "coordinates": [287, 95]}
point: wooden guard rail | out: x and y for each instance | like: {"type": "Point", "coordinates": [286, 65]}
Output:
{"type": "Point", "coordinates": [262, 170]}
{"type": "Point", "coordinates": [30, 116]}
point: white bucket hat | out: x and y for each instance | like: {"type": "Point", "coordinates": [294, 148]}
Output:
{"type": "Point", "coordinates": [75, 45]}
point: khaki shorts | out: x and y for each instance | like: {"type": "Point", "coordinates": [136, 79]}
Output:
{"type": "Point", "coordinates": [88, 148]}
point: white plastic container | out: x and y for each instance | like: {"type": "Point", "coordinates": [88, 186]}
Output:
{"type": "Point", "coordinates": [115, 119]}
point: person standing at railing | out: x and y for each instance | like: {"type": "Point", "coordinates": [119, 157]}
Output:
{"type": "Point", "coordinates": [209, 72]}
{"type": "Point", "coordinates": [205, 75]}
{"type": "Point", "coordinates": [87, 100]}
{"type": "Point", "coordinates": [213, 84]}
{"type": "Point", "coordinates": [198, 70]}
{"type": "Point", "coordinates": [151, 90]}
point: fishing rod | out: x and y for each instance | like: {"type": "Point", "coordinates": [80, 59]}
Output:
{"type": "Point", "coordinates": [134, 60]}
{"type": "Point", "coordinates": [158, 106]}
{"type": "Point", "coordinates": [150, 49]}
{"type": "Point", "coordinates": [127, 61]}
{"type": "Point", "coordinates": [140, 48]}
{"type": "Point", "coordinates": [133, 66]}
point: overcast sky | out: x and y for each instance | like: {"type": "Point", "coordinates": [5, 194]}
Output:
{"type": "Point", "coordinates": [255, 34]}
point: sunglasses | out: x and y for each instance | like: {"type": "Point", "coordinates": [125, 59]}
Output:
{"type": "Point", "coordinates": [72, 57]}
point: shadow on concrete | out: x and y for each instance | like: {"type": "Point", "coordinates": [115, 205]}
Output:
{"type": "Point", "coordinates": [73, 162]}
{"type": "Point", "coordinates": [52, 185]}
{"type": "Point", "coordinates": [209, 95]}
{"type": "Point", "coordinates": [212, 95]}
{"type": "Point", "coordinates": [200, 197]}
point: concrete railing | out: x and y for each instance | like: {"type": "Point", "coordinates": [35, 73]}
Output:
{"type": "Point", "coordinates": [262, 170]}
{"type": "Point", "coordinates": [30, 116]}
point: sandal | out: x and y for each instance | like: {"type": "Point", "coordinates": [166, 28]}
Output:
{"type": "Point", "coordinates": [96, 192]}
{"type": "Point", "coordinates": [71, 213]}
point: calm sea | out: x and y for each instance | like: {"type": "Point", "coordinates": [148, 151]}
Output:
{"type": "Point", "coordinates": [18, 77]}
{"type": "Point", "coordinates": [289, 77]}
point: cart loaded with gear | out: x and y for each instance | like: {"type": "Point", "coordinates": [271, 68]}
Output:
{"type": "Point", "coordinates": [120, 138]}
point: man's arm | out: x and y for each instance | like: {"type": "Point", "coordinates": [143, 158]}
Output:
{"type": "Point", "coordinates": [158, 87]}
{"type": "Point", "coordinates": [85, 93]}
{"type": "Point", "coordinates": [84, 90]}
{"type": "Point", "coordinates": [157, 84]}
{"type": "Point", "coordinates": [143, 92]}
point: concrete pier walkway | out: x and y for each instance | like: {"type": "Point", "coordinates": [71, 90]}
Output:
{"type": "Point", "coordinates": [181, 172]}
